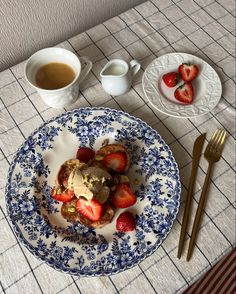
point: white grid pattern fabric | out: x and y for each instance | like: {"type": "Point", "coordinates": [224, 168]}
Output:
{"type": "Point", "coordinates": [203, 28]}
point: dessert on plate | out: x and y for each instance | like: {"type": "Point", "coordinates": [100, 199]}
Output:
{"type": "Point", "coordinates": [92, 185]}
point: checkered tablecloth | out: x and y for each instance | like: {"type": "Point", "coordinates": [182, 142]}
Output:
{"type": "Point", "coordinates": [205, 28]}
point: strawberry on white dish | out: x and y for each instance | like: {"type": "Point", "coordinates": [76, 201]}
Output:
{"type": "Point", "coordinates": [188, 71]}
{"type": "Point", "coordinates": [171, 79]}
{"type": "Point", "coordinates": [185, 93]}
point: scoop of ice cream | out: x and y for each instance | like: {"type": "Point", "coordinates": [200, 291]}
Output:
{"type": "Point", "coordinates": [90, 183]}
{"type": "Point", "coordinates": [76, 183]}
{"type": "Point", "coordinates": [94, 174]}
{"type": "Point", "coordinates": [103, 194]}
{"type": "Point", "coordinates": [65, 170]}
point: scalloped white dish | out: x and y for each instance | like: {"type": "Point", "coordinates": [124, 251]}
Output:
{"type": "Point", "coordinates": [207, 86]}
{"type": "Point", "coordinates": [74, 248]}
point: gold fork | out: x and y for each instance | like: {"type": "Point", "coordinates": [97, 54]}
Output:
{"type": "Point", "coordinates": [212, 154]}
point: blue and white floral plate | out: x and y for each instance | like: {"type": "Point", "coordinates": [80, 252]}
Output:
{"type": "Point", "coordinates": [73, 248]}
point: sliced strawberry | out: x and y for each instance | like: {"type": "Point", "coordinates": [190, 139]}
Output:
{"type": "Point", "coordinates": [63, 196]}
{"type": "Point", "coordinates": [115, 161]}
{"type": "Point", "coordinates": [125, 222]}
{"type": "Point", "coordinates": [184, 93]}
{"type": "Point", "coordinates": [112, 148]}
{"type": "Point", "coordinates": [188, 71]}
{"type": "Point", "coordinates": [123, 196]}
{"type": "Point", "coordinates": [85, 154]}
{"type": "Point", "coordinates": [171, 79]}
{"type": "Point", "coordinates": [91, 209]}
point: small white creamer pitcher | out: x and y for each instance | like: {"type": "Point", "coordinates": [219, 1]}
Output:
{"type": "Point", "coordinates": [117, 76]}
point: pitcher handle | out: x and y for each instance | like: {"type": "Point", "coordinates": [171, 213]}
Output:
{"type": "Point", "coordinates": [85, 71]}
{"type": "Point", "coordinates": [135, 67]}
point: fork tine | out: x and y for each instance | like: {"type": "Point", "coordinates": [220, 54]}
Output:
{"type": "Point", "coordinates": [211, 141]}
{"type": "Point", "coordinates": [222, 142]}
{"type": "Point", "coordinates": [214, 139]}
{"type": "Point", "coordinates": [217, 141]}
{"type": "Point", "coordinates": [214, 135]}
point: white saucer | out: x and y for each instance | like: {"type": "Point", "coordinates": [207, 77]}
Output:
{"type": "Point", "coordinates": [207, 86]}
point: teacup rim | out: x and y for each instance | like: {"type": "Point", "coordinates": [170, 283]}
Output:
{"type": "Point", "coordinates": [52, 90]}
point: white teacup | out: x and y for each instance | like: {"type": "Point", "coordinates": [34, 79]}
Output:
{"type": "Point", "coordinates": [67, 95]}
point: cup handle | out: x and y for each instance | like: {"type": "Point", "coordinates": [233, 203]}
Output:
{"type": "Point", "coordinates": [85, 71]}
{"type": "Point", "coordinates": [135, 67]}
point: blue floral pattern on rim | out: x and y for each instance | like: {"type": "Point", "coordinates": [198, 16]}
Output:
{"type": "Point", "coordinates": [73, 248]}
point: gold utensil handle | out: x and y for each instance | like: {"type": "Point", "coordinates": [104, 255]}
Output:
{"type": "Point", "coordinates": [199, 213]}
{"type": "Point", "coordinates": [197, 149]}
{"type": "Point", "coordinates": [187, 212]}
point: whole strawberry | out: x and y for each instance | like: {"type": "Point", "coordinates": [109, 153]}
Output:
{"type": "Point", "coordinates": [125, 222]}
{"type": "Point", "coordinates": [188, 71]}
{"type": "Point", "coordinates": [85, 154]}
{"type": "Point", "coordinates": [171, 79]}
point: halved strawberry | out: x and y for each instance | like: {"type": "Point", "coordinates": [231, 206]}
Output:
{"type": "Point", "coordinates": [91, 209]}
{"type": "Point", "coordinates": [123, 196]}
{"type": "Point", "coordinates": [85, 154]}
{"type": "Point", "coordinates": [184, 93]}
{"type": "Point", "coordinates": [63, 196]}
{"type": "Point", "coordinates": [125, 222]}
{"type": "Point", "coordinates": [188, 71]}
{"type": "Point", "coordinates": [111, 148]}
{"type": "Point", "coordinates": [171, 79]}
{"type": "Point", "coordinates": [115, 161]}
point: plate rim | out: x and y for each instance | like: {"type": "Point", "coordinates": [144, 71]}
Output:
{"type": "Point", "coordinates": [170, 114]}
{"type": "Point", "coordinates": [78, 272]}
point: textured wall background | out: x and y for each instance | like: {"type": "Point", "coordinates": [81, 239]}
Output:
{"type": "Point", "coordinates": [29, 25]}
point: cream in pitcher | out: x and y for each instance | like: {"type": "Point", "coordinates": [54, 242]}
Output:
{"type": "Point", "coordinates": [117, 76]}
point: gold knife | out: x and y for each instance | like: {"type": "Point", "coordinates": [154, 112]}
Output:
{"type": "Point", "coordinates": [197, 150]}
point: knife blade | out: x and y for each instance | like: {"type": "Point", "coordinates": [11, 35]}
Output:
{"type": "Point", "coordinates": [197, 150]}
